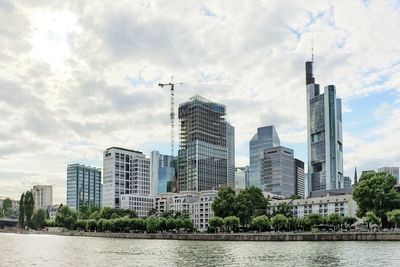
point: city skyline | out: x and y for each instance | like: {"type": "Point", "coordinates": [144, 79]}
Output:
{"type": "Point", "coordinates": [71, 86]}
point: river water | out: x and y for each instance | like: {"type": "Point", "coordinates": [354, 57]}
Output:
{"type": "Point", "coordinates": [50, 250]}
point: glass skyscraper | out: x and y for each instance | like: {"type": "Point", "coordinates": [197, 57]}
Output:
{"type": "Point", "coordinates": [83, 186]}
{"type": "Point", "coordinates": [230, 144]}
{"type": "Point", "coordinates": [163, 172]}
{"type": "Point", "coordinates": [266, 137]}
{"type": "Point", "coordinates": [325, 137]}
{"type": "Point", "coordinates": [203, 152]}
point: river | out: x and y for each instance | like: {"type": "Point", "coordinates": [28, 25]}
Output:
{"type": "Point", "coordinates": [52, 250]}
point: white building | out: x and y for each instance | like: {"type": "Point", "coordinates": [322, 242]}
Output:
{"type": "Point", "coordinates": [198, 205]}
{"type": "Point", "coordinates": [342, 204]}
{"type": "Point", "coordinates": [125, 171]}
{"type": "Point", "coordinates": [140, 204]}
{"type": "Point", "coordinates": [43, 196]}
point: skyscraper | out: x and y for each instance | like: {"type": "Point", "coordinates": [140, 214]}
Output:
{"type": "Point", "coordinates": [230, 144]}
{"type": "Point", "coordinates": [83, 186]}
{"type": "Point", "coordinates": [266, 137]}
{"type": "Point", "coordinates": [162, 173]}
{"type": "Point", "coordinates": [277, 173]}
{"type": "Point", "coordinates": [125, 171]}
{"type": "Point", "coordinates": [241, 177]}
{"type": "Point", "coordinates": [43, 196]}
{"type": "Point", "coordinates": [203, 154]}
{"type": "Point", "coordinates": [299, 178]}
{"type": "Point", "coordinates": [324, 130]}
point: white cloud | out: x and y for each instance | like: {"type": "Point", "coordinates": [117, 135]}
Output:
{"type": "Point", "coordinates": [77, 77]}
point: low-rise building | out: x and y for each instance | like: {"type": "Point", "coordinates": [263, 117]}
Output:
{"type": "Point", "coordinates": [142, 205]}
{"type": "Point", "coordinates": [43, 196]}
{"type": "Point", "coordinates": [198, 205]}
{"type": "Point", "coordinates": [341, 204]}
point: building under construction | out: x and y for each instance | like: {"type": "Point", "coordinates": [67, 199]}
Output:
{"type": "Point", "coordinates": [203, 154]}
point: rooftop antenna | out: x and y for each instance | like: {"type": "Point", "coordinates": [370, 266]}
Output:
{"type": "Point", "coordinates": [312, 50]}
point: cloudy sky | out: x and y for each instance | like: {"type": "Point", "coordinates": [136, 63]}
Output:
{"type": "Point", "coordinates": [77, 77]}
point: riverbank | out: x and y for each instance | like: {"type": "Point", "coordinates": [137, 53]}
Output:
{"type": "Point", "coordinates": [351, 236]}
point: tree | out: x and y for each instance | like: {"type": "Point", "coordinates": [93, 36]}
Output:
{"type": "Point", "coordinates": [394, 217]}
{"type": "Point", "coordinates": [349, 221]}
{"type": "Point", "coordinates": [153, 211]}
{"type": "Point", "coordinates": [152, 224]}
{"type": "Point", "coordinates": [248, 203]}
{"type": "Point", "coordinates": [91, 225]}
{"type": "Point", "coordinates": [81, 224]}
{"type": "Point", "coordinates": [224, 203]}
{"type": "Point", "coordinates": [313, 219]}
{"type": "Point", "coordinates": [375, 192]}
{"type": "Point", "coordinates": [95, 215]}
{"type": "Point", "coordinates": [293, 197]}
{"type": "Point", "coordinates": [279, 222]}
{"type": "Point", "coordinates": [66, 217]}
{"type": "Point", "coordinates": [261, 222]}
{"type": "Point", "coordinates": [7, 204]}
{"type": "Point", "coordinates": [335, 219]}
{"type": "Point", "coordinates": [170, 223]}
{"type": "Point", "coordinates": [215, 223]}
{"type": "Point", "coordinates": [39, 219]}
{"type": "Point", "coordinates": [84, 212]}
{"type": "Point", "coordinates": [106, 213]}
{"type": "Point", "coordinates": [371, 218]}
{"type": "Point", "coordinates": [284, 209]}
{"type": "Point", "coordinates": [29, 204]}
{"type": "Point", "coordinates": [21, 215]}
{"type": "Point", "coordinates": [231, 223]}
{"type": "Point", "coordinates": [188, 224]}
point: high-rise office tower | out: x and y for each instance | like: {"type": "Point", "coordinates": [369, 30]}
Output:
{"type": "Point", "coordinates": [83, 186]}
{"type": "Point", "coordinates": [230, 144]}
{"type": "Point", "coordinates": [346, 182]}
{"type": "Point", "coordinates": [202, 155]}
{"type": "Point", "coordinates": [394, 171]}
{"type": "Point", "coordinates": [277, 172]}
{"type": "Point", "coordinates": [325, 138]}
{"type": "Point", "coordinates": [242, 177]}
{"type": "Point", "coordinates": [299, 178]}
{"type": "Point", "coordinates": [43, 196]}
{"type": "Point", "coordinates": [162, 173]}
{"type": "Point", "coordinates": [125, 171]}
{"type": "Point", "coordinates": [266, 137]}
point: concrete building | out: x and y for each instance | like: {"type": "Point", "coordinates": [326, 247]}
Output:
{"type": "Point", "coordinates": [125, 171]}
{"type": "Point", "coordinates": [277, 173]}
{"type": "Point", "coordinates": [203, 153]}
{"type": "Point", "coordinates": [230, 144]}
{"type": "Point", "coordinates": [140, 204]}
{"type": "Point", "coordinates": [266, 137]}
{"type": "Point", "coordinates": [299, 188]}
{"type": "Point", "coordinates": [394, 171]}
{"type": "Point", "coordinates": [343, 205]}
{"type": "Point", "coordinates": [325, 138]}
{"type": "Point", "coordinates": [241, 177]}
{"type": "Point", "coordinates": [198, 205]}
{"type": "Point", "coordinates": [83, 186]}
{"type": "Point", "coordinates": [163, 172]}
{"type": "Point", "coordinates": [43, 196]}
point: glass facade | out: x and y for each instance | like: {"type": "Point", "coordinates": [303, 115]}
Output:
{"type": "Point", "coordinates": [83, 186]}
{"type": "Point", "coordinates": [203, 153]}
{"type": "Point", "coordinates": [266, 137]}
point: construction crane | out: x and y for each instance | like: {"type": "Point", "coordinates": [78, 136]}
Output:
{"type": "Point", "coordinates": [172, 117]}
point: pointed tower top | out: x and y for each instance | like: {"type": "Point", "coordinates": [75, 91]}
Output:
{"type": "Point", "coordinates": [355, 175]}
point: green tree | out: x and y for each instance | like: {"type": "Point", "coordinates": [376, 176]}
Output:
{"type": "Point", "coordinates": [394, 217]}
{"type": "Point", "coordinates": [91, 225]}
{"type": "Point", "coordinates": [106, 225]}
{"type": "Point", "coordinates": [152, 224]}
{"type": "Point", "coordinates": [231, 223]}
{"type": "Point", "coordinates": [81, 225]}
{"type": "Point", "coordinates": [99, 225]}
{"type": "Point", "coordinates": [250, 202]}
{"type": "Point", "coordinates": [335, 219]}
{"type": "Point", "coordinates": [170, 224]}
{"type": "Point", "coordinates": [84, 212]}
{"type": "Point", "coordinates": [216, 223]}
{"type": "Point", "coordinates": [188, 224]}
{"type": "Point", "coordinates": [224, 203]}
{"type": "Point", "coordinates": [162, 224]}
{"type": "Point", "coordinates": [349, 221]}
{"type": "Point", "coordinates": [95, 215]}
{"type": "Point", "coordinates": [279, 222]}
{"type": "Point", "coordinates": [375, 192]}
{"type": "Point", "coordinates": [313, 219]}
{"type": "Point", "coordinates": [39, 219]}
{"type": "Point", "coordinates": [21, 215]}
{"type": "Point", "coordinates": [262, 223]}
{"type": "Point", "coordinates": [293, 197]}
{"type": "Point", "coordinates": [7, 204]}
{"type": "Point", "coordinates": [153, 211]}
{"type": "Point", "coordinates": [371, 218]}
{"type": "Point", "coordinates": [106, 212]}
{"type": "Point", "coordinates": [66, 217]}
{"type": "Point", "coordinates": [284, 209]}
{"type": "Point", "coordinates": [29, 204]}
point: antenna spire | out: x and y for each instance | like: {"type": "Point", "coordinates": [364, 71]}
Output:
{"type": "Point", "coordinates": [312, 50]}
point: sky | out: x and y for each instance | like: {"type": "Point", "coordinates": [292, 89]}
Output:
{"type": "Point", "coordinates": [77, 77]}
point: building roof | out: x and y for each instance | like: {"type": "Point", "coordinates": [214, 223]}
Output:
{"type": "Point", "coordinates": [124, 149]}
